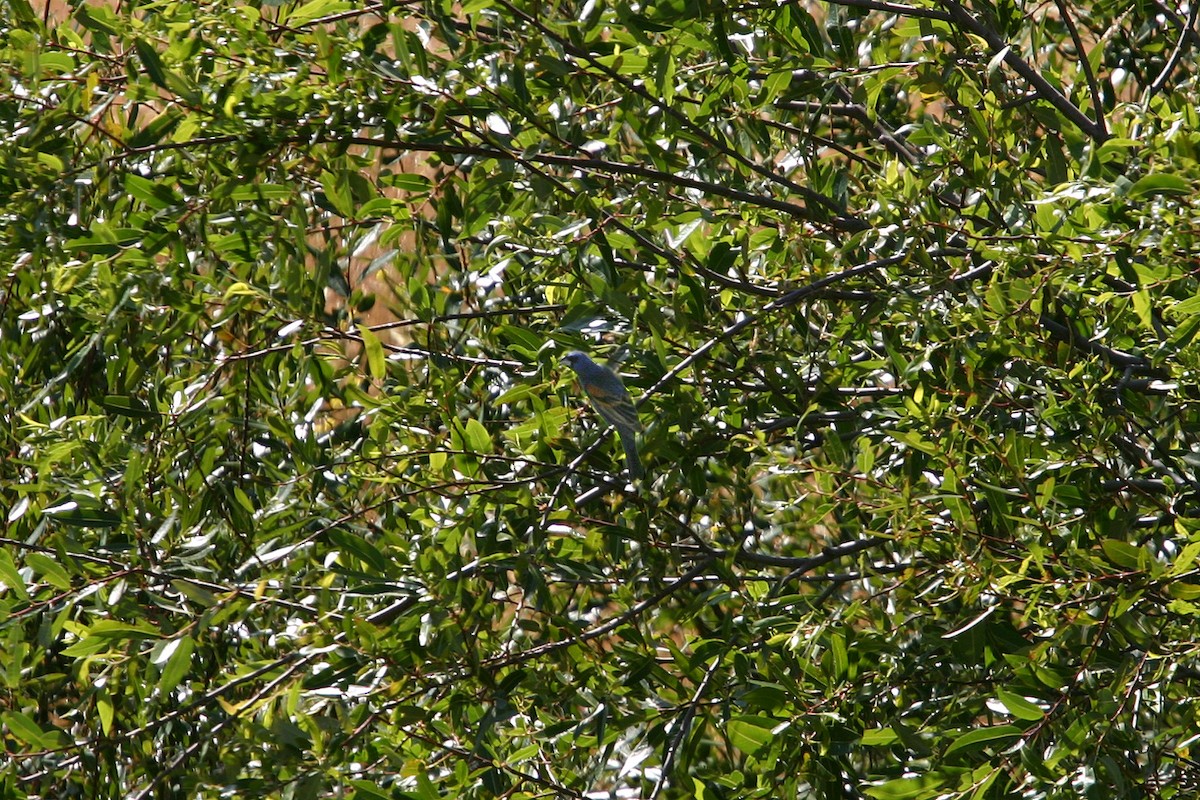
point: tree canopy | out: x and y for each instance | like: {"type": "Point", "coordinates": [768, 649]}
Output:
{"type": "Point", "coordinates": [299, 500]}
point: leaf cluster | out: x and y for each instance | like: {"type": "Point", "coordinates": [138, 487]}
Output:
{"type": "Point", "coordinates": [298, 501]}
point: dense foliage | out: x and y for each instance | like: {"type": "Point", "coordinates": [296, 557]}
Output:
{"type": "Point", "coordinates": [299, 501]}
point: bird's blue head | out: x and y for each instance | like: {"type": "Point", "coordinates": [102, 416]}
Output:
{"type": "Point", "coordinates": [575, 359]}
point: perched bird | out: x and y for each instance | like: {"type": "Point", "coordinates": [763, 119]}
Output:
{"type": "Point", "coordinates": [607, 393]}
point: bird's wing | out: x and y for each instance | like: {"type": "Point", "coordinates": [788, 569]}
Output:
{"type": "Point", "coordinates": [614, 405]}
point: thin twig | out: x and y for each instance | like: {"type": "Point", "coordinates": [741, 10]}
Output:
{"type": "Point", "coordinates": [1184, 35]}
{"type": "Point", "coordinates": [1085, 64]}
{"type": "Point", "coordinates": [683, 725]}
{"type": "Point", "coordinates": [789, 299]}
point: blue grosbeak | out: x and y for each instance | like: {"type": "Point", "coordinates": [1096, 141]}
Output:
{"type": "Point", "coordinates": [607, 393]}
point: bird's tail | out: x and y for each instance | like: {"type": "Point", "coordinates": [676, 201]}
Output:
{"type": "Point", "coordinates": [632, 462]}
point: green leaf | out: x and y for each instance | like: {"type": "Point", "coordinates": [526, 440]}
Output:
{"type": "Point", "coordinates": [196, 594]}
{"type": "Point", "coordinates": [751, 734]}
{"type": "Point", "coordinates": [994, 63]}
{"type": "Point", "coordinates": [84, 516]}
{"type": "Point", "coordinates": [151, 62]}
{"type": "Point", "coordinates": [1125, 555]}
{"type": "Point", "coordinates": [1186, 558]}
{"type": "Point", "coordinates": [84, 648]}
{"type": "Point", "coordinates": [52, 161]}
{"type": "Point", "coordinates": [24, 14]}
{"type": "Point", "coordinates": [100, 19]}
{"type": "Point", "coordinates": [9, 575]}
{"type": "Point", "coordinates": [365, 551]}
{"type": "Point", "coordinates": [260, 191]}
{"type": "Point", "coordinates": [337, 193]}
{"type": "Point", "coordinates": [365, 790]}
{"type": "Point", "coordinates": [127, 406]}
{"type": "Point", "coordinates": [879, 737]}
{"type": "Point", "coordinates": [24, 728]}
{"type": "Point", "coordinates": [376, 361]}
{"type": "Point", "coordinates": [178, 663]}
{"type": "Point", "coordinates": [1184, 591]}
{"type": "Point", "coordinates": [310, 12]}
{"type": "Point", "coordinates": [406, 182]}
{"type": "Point", "coordinates": [836, 660]}
{"type": "Point", "coordinates": [155, 195]}
{"type": "Point", "coordinates": [915, 441]}
{"type": "Point", "coordinates": [111, 629]}
{"type": "Point", "coordinates": [477, 438]}
{"type": "Point", "coordinates": [999, 735]}
{"type": "Point", "coordinates": [158, 129]}
{"type": "Point", "coordinates": [50, 569]}
{"type": "Point", "coordinates": [918, 786]}
{"type": "Point", "coordinates": [104, 710]}
{"type": "Point", "coordinates": [1018, 706]}
{"type": "Point", "coordinates": [1161, 184]}
{"type": "Point", "coordinates": [627, 62]}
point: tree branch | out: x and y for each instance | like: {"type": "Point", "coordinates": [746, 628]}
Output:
{"type": "Point", "coordinates": [1185, 34]}
{"type": "Point", "coordinates": [894, 8]}
{"type": "Point", "coordinates": [842, 222]}
{"type": "Point", "coordinates": [789, 299]}
{"type": "Point", "coordinates": [1064, 333]}
{"type": "Point", "coordinates": [973, 23]}
{"type": "Point", "coordinates": [806, 563]}
{"type": "Point", "coordinates": [1084, 64]}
